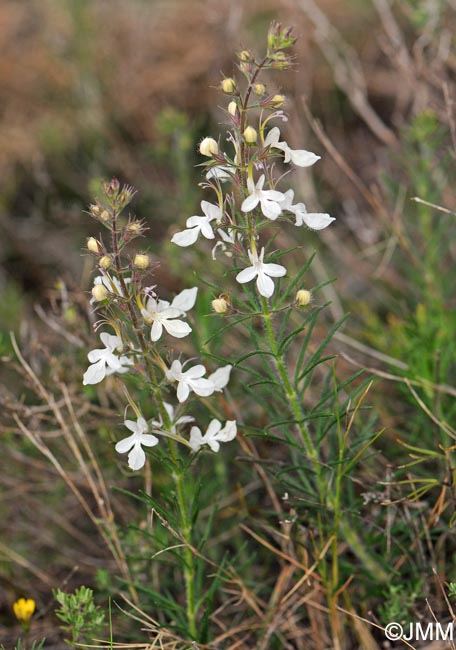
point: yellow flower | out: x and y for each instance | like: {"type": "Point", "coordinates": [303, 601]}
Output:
{"type": "Point", "coordinates": [23, 609]}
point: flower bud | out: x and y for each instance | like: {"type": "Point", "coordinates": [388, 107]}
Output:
{"type": "Point", "coordinates": [208, 147]}
{"type": "Point", "coordinates": [104, 262]}
{"type": "Point", "coordinates": [277, 101]}
{"type": "Point", "coordinates": [99, 292]}
{"type": "Point", "coordinates": [105, 215]}
{"type": "Point", "coordinates": [228, 85]}
{"type": "Point", "coordinates": [92, 245]}
{"type": "Point", "coordinates": [259, 89]}
{"type": "Point", "coordinates": [232, 108]}
{"type": "Point", "coordinates": [220, 305]}
{"type": "Point", "coordinates": [303, 298]}
{"type": "Point", "coordinates": [141, 261]}
{"type": "Point", "coordinates": [250, 135]}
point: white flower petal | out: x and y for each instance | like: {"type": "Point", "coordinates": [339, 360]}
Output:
{"type": "Point", "coordinates": [136, 458]}
{"type": "Point", "coordinates": [176, 328]}
{"type": "Point", "coordinates": [210, 210]}
{"type": "Point", "coordinates": [317, 220]}
{"type": "Point", "coordinates": [220, 377]}
{"type": "Point", "coordinates": [247, 274]}
{"type": "Point", "coordinates": [302, 158]}
{"type": "Point", "coordinates": [185, 300]}
{"type": "Point", "coordinates": [274, 270]}
{"type": "Point", "coordinates": [250, 203]}
{"type": "Point", "coordinates": [95, 373]}
{"type": "Point", "coordinates": [270, 209]}
{"type": "Point", "coordinates": [126, 444]}
{"type": "Point", "coordinates": [196, 439]}
{"type": "Point", "coordinates": [156, 331]}
{"type": "Point", "coordinates": [186, 237]}
{"type": "Point", "coordinates": [202, 387]}
{"type": "Point", "coordinates": [183, 391]}
{"type": "Point", "coordinates": [265, 285]}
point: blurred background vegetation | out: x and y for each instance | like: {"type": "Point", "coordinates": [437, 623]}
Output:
{"type": "Point", "coordinates": [96, 88]}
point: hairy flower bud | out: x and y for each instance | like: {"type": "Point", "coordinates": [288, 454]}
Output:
{"type": "Point", "coordinates": [250, 135]}
{"type": "Point", "coordinates": [93, 245]}
{"type": "Point", "coordinates": [105, 215]}
{"type": "Point", "coordinates": [232, 108]}
{"type": "Point", "coordinates": [220, 305]}
{"type": "Point", "coordinates": [141, 261]}
{"type": "Point", "coordinates": [104, 262]}
{"type": "Point", "coordinates": [259, 89]}
{"type": "Point", "coordinates": [277, 101]}
{"type": "Point", "coordinates": [208, 147]}
{"type": "Point", "coordinates": [228, 85]}
{"type": "Point", "coordinates": [134, 228]}
{"type": "Point", "coordinates": [99, 292]}
{"type": "Point", "coordinates": [303, 298]}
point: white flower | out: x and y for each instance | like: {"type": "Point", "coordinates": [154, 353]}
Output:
{"type": "Point", "coordinates": [300, 157]}
{"type": "Point", "coordinates": [313, 220]}
{"type": "Point", "coordinates": [268, 199]}
{"type": "Point", "coordinates": [190, 380]}
{"type": "Point", "coordinates": [104, 360]}
{"type": "Point", "coordinates": [133, 444]}
{"type": "Point", "coordinates": [196, 225]}
{"type": "Point", "coordinates": [220, 378]}
{"type": "Point", "coordinates": [263, 273]}
{"type": "Point", "coordinates": [213, 436]}
{"type": "Point", "coordinates": [162, 314]}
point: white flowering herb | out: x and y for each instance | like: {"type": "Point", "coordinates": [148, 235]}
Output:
{"type": "Point", "coordinates": [106, 361]}
{"type": "Point", "coordinates": [135, 442]}
{"type": "Point", "coordinates": [214, 435]}
{"type": "Point", "coordinates": [262, 272]}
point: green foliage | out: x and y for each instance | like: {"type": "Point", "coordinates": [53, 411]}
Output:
{"type": "Point", "coordinates": [82, 617]}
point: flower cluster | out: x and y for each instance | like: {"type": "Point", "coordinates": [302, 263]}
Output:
{"type": "Point", "coordinates": [140, 319]}
{"type": "Point", "coordinates": [239, 215]}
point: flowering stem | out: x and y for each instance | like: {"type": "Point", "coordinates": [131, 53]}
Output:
{"type": "Point", "coordinates": [177, 475]}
